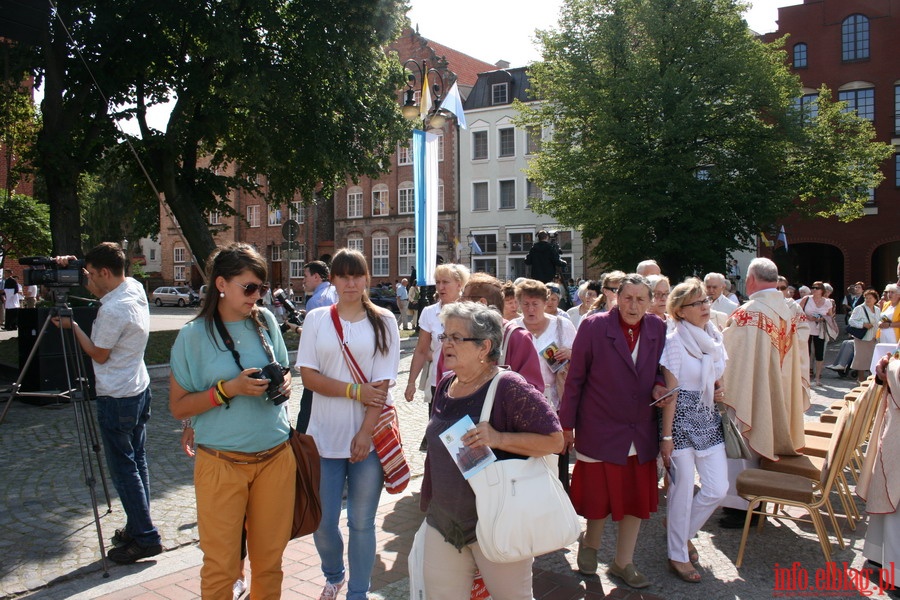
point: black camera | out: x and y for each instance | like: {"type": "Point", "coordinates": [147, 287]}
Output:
{"type": "Point", "coordinates": [275, 373]}
{"type": "Point", "coordinates": [46, 271]}
{"type": "Point", "coordinates": [294, 315]}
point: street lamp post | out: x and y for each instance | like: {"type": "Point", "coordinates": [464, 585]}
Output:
{"type": "Point", "coordinates": [433, 115]}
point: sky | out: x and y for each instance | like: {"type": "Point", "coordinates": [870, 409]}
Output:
{"type": "Point", "coordinates": [492, 30]}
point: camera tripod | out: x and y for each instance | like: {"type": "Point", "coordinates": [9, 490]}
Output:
{"type": "Point", "coordinates": [77, 393]}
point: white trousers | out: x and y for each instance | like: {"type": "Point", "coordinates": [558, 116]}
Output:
{"type": "Point", "coordinates": [687, 512]}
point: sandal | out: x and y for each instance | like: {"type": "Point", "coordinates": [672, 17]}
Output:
{"type": "Point", "coordinates": [684, 571]}
{"type": "Point", "coordinates": [693, 555]}
{"type": "Point", "coordinates": [629, 574]}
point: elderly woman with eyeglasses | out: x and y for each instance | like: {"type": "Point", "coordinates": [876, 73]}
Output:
{"type": "Point", "coordinates": [692, 438]}
{"type": "Point", "coordinates": [609, 287]}
{"type": "Point", "coordinates": [588, 292]}
{"type": "Point", "coordinates": [606, 414]}
{"type": "Point", "coordinates": [522, 424]}
{"type": "Point", "coordinates": [659, 287]}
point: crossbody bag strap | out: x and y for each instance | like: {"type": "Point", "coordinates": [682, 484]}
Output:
{"type": "Point", "coordinates": [354, 367]}
{"type": "Point", "coordinates": [489, 397]}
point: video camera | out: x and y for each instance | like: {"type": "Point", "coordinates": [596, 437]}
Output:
{"type": "Point", "coordinates": [46, 271]}
{"type": "Point", "coordinates": [294, 315]}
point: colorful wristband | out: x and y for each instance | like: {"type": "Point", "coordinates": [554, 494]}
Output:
{"type": "Point", "coordinates": [213, 398]}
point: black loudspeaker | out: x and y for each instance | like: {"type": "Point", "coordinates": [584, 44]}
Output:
{"type": "Point", "coordinates": [48, 371]}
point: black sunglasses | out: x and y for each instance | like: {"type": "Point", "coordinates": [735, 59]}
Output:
{"type": "Point", "coordinates": [252, 288]}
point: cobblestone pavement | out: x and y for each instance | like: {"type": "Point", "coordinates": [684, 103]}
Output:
{"type": "Point", "coordinates": [50, 550]}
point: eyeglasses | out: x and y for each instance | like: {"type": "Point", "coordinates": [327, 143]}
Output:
{"type": "Point", "coordinates": [816, 287]}
{"type": "Point", "coordinates": [611, 289]}
{"type": "Point", "coordinates": [781, 288]}
{"type": "Point", "coordinates": [456, 339]}
{"type": "Point", "coordinates": [697, 303]}
{"type": "Point", "coordinates": [252, 288]}
{"type": "Point", "coordinates": [660, 295]}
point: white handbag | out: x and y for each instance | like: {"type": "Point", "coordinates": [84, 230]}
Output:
{"type": "Point", "coordinates": [523, 510]}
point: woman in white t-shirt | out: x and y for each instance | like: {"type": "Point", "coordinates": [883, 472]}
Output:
{"type": "Point", "coordinates": [449, 281]}
{"type": "Point", "coordinates": [344, 415]}
{"type": "Point", "coordinates": [553, 337]}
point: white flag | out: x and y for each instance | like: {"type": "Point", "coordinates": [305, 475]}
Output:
{"type": "Point", "coordinates": [453, 103]}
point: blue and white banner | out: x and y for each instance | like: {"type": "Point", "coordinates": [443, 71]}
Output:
{"type": "Point", "coordinates": [425, 186]}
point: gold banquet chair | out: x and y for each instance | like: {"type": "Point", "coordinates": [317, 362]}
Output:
{"type": "Point", "coordinates": [760, 487]}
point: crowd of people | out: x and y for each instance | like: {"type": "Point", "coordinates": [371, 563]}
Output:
{"type": "Point", "coordinates": [634, 380]}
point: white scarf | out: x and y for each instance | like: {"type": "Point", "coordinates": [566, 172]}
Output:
{"type": "Point", "coordinates": [707, 346]}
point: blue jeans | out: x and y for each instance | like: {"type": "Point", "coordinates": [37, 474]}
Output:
{"type": "Point", "coordinates": [364, 482]}
{"type": "Point", "coordinates": [123, 429]}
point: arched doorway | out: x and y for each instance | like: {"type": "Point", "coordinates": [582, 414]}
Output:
{"type": "Point", "coordinates": [804, 263]}
{"type": "Point", "coordinates": [884, 265]}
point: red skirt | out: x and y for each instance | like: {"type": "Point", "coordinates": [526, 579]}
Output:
{"type": "Point", "coordinates": [599, 489]}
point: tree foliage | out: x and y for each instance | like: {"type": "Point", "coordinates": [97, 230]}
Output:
{"type": "Point", "coordinates": [300, 92]}
{"type": "Point", "coordinates": [24, 231]}
{"type": "Point", "coordinates": [673, 132]}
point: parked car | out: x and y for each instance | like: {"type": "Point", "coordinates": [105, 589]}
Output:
{"type": "Point", "coordinates": [180, 295]}
{"type": "Point", "coordinates": [385, 298]}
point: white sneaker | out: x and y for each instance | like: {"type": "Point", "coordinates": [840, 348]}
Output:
{"type": "Point", "coordinates": [239, 588]}
{"type": "Point", "coordinates": [331, 590]}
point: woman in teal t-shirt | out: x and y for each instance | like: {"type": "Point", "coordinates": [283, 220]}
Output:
{"type": "Point", "coordinates": [244, 468]}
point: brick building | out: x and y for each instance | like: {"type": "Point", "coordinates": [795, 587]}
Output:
{"type": "Point", "coordinates": [375, 216]}
{"type": "Point", "coordinates": [258, 224]}
{"type": "Point", "coordinates": [852, 48]}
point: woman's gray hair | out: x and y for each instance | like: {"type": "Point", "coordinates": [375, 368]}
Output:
{"type": "Point", "coordinates": [634, 279]}
{"type": "Point", "coordinates": [483, 322]}
{"type": "Point", "coordinates": [654, 280]}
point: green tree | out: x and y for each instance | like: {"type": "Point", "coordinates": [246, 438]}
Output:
{"type": "Point", "coordinates": [300, 92]}
{"type": "Point", "coordinates": [674, 135]}
{"type": "Point", "coordinates": [25, 231]}
{"type": "Point", "coordinates": [18, 131]}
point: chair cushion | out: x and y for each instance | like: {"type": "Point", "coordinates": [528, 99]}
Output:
{"type": "Point", "coordinates": [817, 446]}
{"type": "Point", "coordinates": [819, 429]}
{"type": "Point", "coordinates": [809, 467]}
{"type": "Point", "coordinates": [758, 482]}
{"type": "Point", "coordinates": [829, 416]}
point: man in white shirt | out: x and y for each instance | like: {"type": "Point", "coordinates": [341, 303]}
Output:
{"type": "Point", "coordinates": [715, 287]}
{"type": "Point", "coordinates": [116, 347]}
{"type": "Point", "coordinates": [403, 303]}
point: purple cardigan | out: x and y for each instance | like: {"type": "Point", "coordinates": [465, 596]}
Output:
{"type": "Point", "coordinates": [607, 396]}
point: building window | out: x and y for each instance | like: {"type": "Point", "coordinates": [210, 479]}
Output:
{"type": "Point", "coordinates": [440, 135]}
{"type": "Point", "coordinates": [276, 252]}
{"type": "Point", "coordinates": [296, 269]}
{"type": "Point", "coordinates": [800, 54]}
{"type": "Point", "coordinates": [855, 38]}
{"type": "Point", "coordinates": [521, 242]}
{"type": "Point", "coordinates": [500, 93]}
{"type": "Point", "coordinates": [897, 110]}
{"type": "Point", "coordinates": [152, 253]}
{"type": "Point", "coordinates": [298, 211]}
{"type": "Point", "coordinates": [178, 254]}
{"type": "Point", "coordinates": [253, 215]}
{"type": "Point", "coordinates": [179, 273]}
{"type": "Point", "coordinates": [404, 154]}
{"type": "Point", "coordinates": [354, 204]}
{"type": "Point", "coordinates": [440, 196]}
{"type": "Point", "coordinates": [484, 265]}
{"type": "Point", "coordinates": [532, 192]}
{"type": "Point", "coordinates": [381, 257]}
{"type": "Point", "coordinates": [507, 194]}
{"type": "Point", "coordinates": [487, 242]}
{"type": "Point", "coordinates": [806, 107]}
{"type": "Point", "coordinates": [274, 216]}
{"type": "Point", "coordinates": [406, 198]}
{"type": "Point", "coordinates": [507, 141]}
{"type": "Point", "coordinates": [479, 145]}
{"type": "Point", "coordinates": [533, 140]}
{"type": "Point", "coordinates": [215, 217]}
{"type": "Point", "coordinates": [355, 243]}
{"type": "Point", "coordinates": [862, 101]}
{"type": "Point", "coordinates": [480, 196]}
{"type": "Point", "coordinates": [406, 252]}
{"type": "Point", "coordinates": [896, 181]}
{"type": "Point", "coordinates": [380, 198]}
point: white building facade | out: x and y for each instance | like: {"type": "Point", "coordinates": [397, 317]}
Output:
{"type": "Point", "coordinates": [495, 194]}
